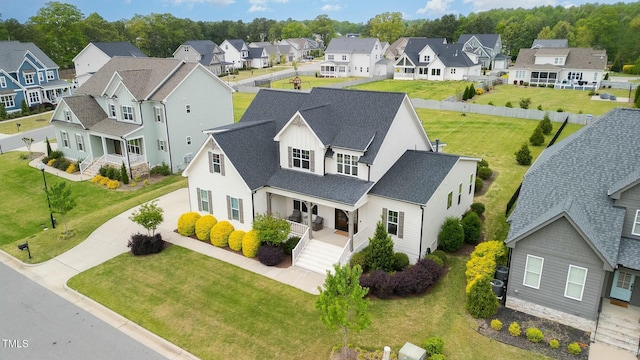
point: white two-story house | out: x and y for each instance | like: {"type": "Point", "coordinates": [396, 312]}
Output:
{"type": "Point", "coordinates": [434, 59]}
{"type": "Point", "coordinates": [236, 53]}
{"type": "Point", "coordinates": [351, 56]}
{"type": "Point", "coordinates": [141, 112]}
{"type": "Point", "coordinates": [334, 162]}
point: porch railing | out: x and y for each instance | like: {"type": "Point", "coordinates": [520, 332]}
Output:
{"type": "Point", "coordinates": [113, 159]}
{"type": "Point", "coordinates": [346, 253]}
{"type": "Point", "coordinates": [303, 232]}
{"type": "Point", "coordinates": [84, 164]}
{"type": "Point", "coordinates": [135, 159]}
{"type": "Point", "coordinates": [360, 239]}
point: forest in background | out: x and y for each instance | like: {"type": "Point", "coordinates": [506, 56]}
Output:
{"type": "Point", "coordinates": [62, 30]}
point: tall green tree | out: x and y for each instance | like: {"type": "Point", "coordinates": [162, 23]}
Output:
{"type": "Point", "coordinates": [61, 201]}
{"type": "Point", "coordinates": [322, 25]}
{"type": "Point", "coordinates": [96, 29]}
{"type": "Point", "coordinates": [342, 302]}
{"type": "Point", "coordinates": [387, 26]}
{"type": "Point", "coordinates": [380, 251]}
{"type": "Point", "coordinates": [295, 29]}
{"type": "Point", "coordinates": [60, 36]}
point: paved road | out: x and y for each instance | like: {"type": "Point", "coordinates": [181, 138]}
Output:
{"type": "Point", "coordinates": [15, 141]}
{"type": "Point", "coordinates": [35, 323]}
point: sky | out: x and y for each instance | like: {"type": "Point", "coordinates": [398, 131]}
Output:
{"type": "Point", "coordinates": [355, 11]}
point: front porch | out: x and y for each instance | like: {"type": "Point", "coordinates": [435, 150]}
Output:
{"type": "Point", "coordinates": [619, 325]}
{"type": "Point", "coordinates": [114, 152]}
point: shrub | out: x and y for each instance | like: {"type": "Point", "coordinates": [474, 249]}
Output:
{"type": "Point", "coordinates": [133, 184]}
{"type": "Point", "coordinates": [482, 163]}
{"type": "Point", "coordinates": [61, 164]}
{"type": "Point", "coordinates": [525, 102]}
{"type": "Point", "coordinates": [359, 258]}
{"type": "Point", "coordinates": [111, 173]}
{"type": "Point", "coordinates": [400, 261]}
{"type": "Point", "coordinates": [104, 181]}
{"type": "Point", "coordinates": [451, 235]}
{"type": "Point", "coordinates": [123, 174]}
{"type": "Point", "coordinates": [204, 225]}
{"type": "Point", "coordinates": [508, 104]}
{"type": "Point", "coordinates": [479, 91]}
{"type": "Point", "coordinates": [496, 324]}
{"type": "Point", "coordinates": [560, 109]}
{"type": "Point", "coordinates": [523, 156]}
{"type": "Point", "coordinates": [545, 124]}
{"type": "Point", "coordinates": [379, 283]}
{"type": "Point", "coordinates": [220, 232]}
{"type": "Point", "coordinates": [437, 357]}
{"type": "Point", "coordinates": [490, 103]}
{"type": "Point", "coordinates": [481, 301]}
{"type": "Point", "coordinates": [142, 244]}
{"type": "Point", "coordinates": [96, 179]}
{"type": "Point", "coordinates": [290, 244]}
{"type": "Point", "coordinates": [540, 107]}
{"type": "Point", "coordinates": [272, 230]}
{"type": "Point", "coordinates": [478, 208]}
{"type": "Point", "coordinates": [415, 279]}
{"type": "Point", "coordinates": [250, 244]}
{"type": "Point", "coordinates": [433, 345]}
{"type": "Point", "coordinates": [537, 138]}
{"type": "Point", "coordinates": [514, 329]}
{"type": "Point", "coordinates": [442, 255]}
{"type": "Point", "coordinates": [72, 168]}
{"type": "Point", "coordinates": [574, 348]}
{"type": "Point", "coordinates": [270, 254]}
{"type": "Point", "coordinates": [380, 252]}
{"type": "Point", "coordinates": [187, 223]}
{"type": "Point", "coordinates": [235, 240]}
{"type": "Point", "coordinates": [494, 249]}
{"type": "Point", "coordinates": [113, 184]}
{"type": "Point", "coordinates": [554, 344]}
{"type": "Point", "coordinates": [162, 169]}
{"type": "Point", "coordinates": [534, 335]}
{"type": "Point", "coordinates": [50, 162]}
{"type": "Point", "coordinates": [480, 266]}
{"type": "Point", "coordinates": [484, 173]}
{"type": "Point", "coordinates": [103, 171]}
{"type": "Point", "coordinates": [472, 227]}
{"type": "Point", "coordinates": [479, 185]}
{"type": "Point", "coordinates": [526, 83]}
{"type": "Point", "coordinates": [435, 259]}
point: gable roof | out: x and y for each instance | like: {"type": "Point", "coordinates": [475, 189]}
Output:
{"type": "Point", "coordinates": [255, 53]}
{"type": "Point", "coordinates": [237, 43]}
{"type": "Point", "coordinates": [576, 58]}
{"type": "Point", "coordinates": [415, 177]}
{"type": "Point", "coordinates": [86, 109]}
{"type": "Point", "coordinates": [451, 55]}
{"type": "Point", "coordinates": [488, 40]}
{"type": "Point", "coordinates": [123, 48]}
{"type": "Point", "coordinates": [12, 54]}
{"type": "Point", "coordinates": [202, 46]}
{"type": "Point", "coordinates": [351, 45]}
{"type": "Point", "coordinates": [574, 176]}
{"type": "Point", "coordinates": [550, 43]}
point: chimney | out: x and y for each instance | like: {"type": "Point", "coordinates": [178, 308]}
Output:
{"type": "Point", "coordinates": [437, 145]}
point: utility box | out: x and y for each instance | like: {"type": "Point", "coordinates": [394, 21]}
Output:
{"type": "Point", "coordinates": [412, 352]}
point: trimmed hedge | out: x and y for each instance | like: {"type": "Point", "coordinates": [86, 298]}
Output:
{"type": "Point", "coordinates": [414, 280]}
{"type": "Point", "coordinates": [359, 258]}
{"type": "Point", "coordinates": [290, 244]}
{"type": "Point", "coordinates": [442, 255]}
{"type": "Point", "coordinates": [220, 232]}
{"type": "Point", "coordinates": [472, 227]}
{"type": "Point", "coordinates": [435, 259]}
{"type": "Point", "coordinates": [514, 329]}
{"type": "Point", "coordinates": [235, 240]}
{"type": "Point", "coordinates": [204, 225]}
{"type": "Point", "coordinates": [484, 173]}
{"type": "Point", "coordinates": [496, 324]}
{"type": "Point", "coordinates": [400, 261]}
{"type": "Point", "coordinates": [479, 185]}
{"type": "Point", "coordinates": [250, 244]}
{"type": "Point", "coordinates": [481, 301]}
{"type": "Point", "coordinates": [478, 208]}
{"type": "Point", "coordinates": [187, 223]}
{"type": "Point", "coordinates": [574, 348]}
{"type": "Point", "coordinates": [142, 244]}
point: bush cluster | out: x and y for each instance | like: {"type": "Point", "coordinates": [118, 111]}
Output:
{"type": "Point", "coordinates": [478, 208]}
{"type": "Point", "coordinates": [442, 255]}
{"type": "Point", "coordinates": [496, 324]}
{"type": "Point", "coordinates": [220, 232]}
{"type": "Point", "coordinates": [451, 235]}
{"type": "Point", "coordinates": [481, 267]}
{"type": "Point", "coordinates": [534, 335]}
{"type": "Point", "coordinates": [235, 240]}
{"type": "Point", "coordinates": [187, 223]}
{"type": "Point", "coordinates": [113, 184]}
{"type": "Point", "coordinates": [434, 345]}
{"type": "Point", "coordinates": [162, 169]}
{"type": "Point", "coordinates": [204, 225]}
{"type": "Point", "coordinates": [514, 329]}
{"type": "Point", "coordinates": [250, 244]}
{"type": "Point", "coordinates": [270, 254]}
{"type": "Point", "coordinates": [142, 244]}
{"type": "Point", "coordinates": [415, 279]}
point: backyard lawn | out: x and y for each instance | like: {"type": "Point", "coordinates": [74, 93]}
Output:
{"type": "Point", "coordinates": [225, 312]}
{"type": "Point", "coordinates": [246, 74]}
{"type": "Point", "coordinates": [308, 82]}
{"type": "Point", "coordinates": [436, 90]}
{"type": "Point", "coordinates": [241, 102]}
{"type": "Point", "coordinates": [9, 127]}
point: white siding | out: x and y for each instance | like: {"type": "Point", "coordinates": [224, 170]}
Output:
{"type": "Point", "coordinates": [301, 137]}
{"type": "Point", "coordinates": [90, 60]}
{"type": "Point", "coordinates": [331, 163]}
{"type": "Point", "coordinates": [189, 56]}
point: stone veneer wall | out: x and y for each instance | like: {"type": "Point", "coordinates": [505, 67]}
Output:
{"type": "Point", "coordinates": [551, 314]}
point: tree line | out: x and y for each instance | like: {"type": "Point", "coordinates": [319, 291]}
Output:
{"type": "Point", "coordinates": [62, 31]}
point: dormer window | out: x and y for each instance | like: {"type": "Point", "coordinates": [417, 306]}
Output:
{"type": "Point", "coordinates": [28, 78]}
{"type": "Point", "coordinates": [3, 82]}
{"type": "Point", "coordinates": [186, 48]}
{"type": "Point", "coordinates": [300, 158]}
{"type": "Point", "coordinates": [426, 58]}
{"type": "Point", "coordinates": [127, 112]}
{"type": "Point", "coordinates": [347, 164]}
{"type": "Point", "coordinates": [329, 57]}
{"type": "Point", "coordinates": [112, 111]}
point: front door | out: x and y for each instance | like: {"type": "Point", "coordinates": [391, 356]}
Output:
{"type": "Point", "coordinates": [622, 286]}
{"type": "Point", "coordinates": [342, 221]}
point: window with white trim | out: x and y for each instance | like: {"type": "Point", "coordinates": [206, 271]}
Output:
{"type": "Point", "coordinates": [453, 70]}
{"type": "Point", "coordinates": [302, 207]}
{"type": "Point", "coordinates": [215, 160]}
{"type": "Point", "coordinates": [459, 193]}
{"type": "Point", "coordinates": [470, 183]}
{"type": "Point", "coordinates": [533, 271]}
{"type": "Point", "coordinates": [300, 158]}
{"type": "Point", "coordinates": [576, 278]}
{"type": "Point", "coordinates": [112, 111]}
{"type": "Point", "coordinates": [435, 72]}
{"type": "Point", "coordinates": [204, 200]}
{"type": "Point", "coordinates": [234, 203]}
{"type": "Point", "coordinates": [344, 57]}
{"type": "Point", "coordinates": [79, 142]}
{"type": "Point", "coordinates": [329, 57]}
{"type": "Point", "coordinates": [40, 77]}
{"type": "Point", "coordinates": [28, 78]}
{"type": "Point", "coordinates": [636, 224]}
{"type": "Point", "coordinates": [157, 112]}
{"type": "Point", "coordinates": [65, 139]}
{"type": "Point", "coordinates": [8, 101]}
{"type": "Point", "coordinates": [134, 147]}
{"type": "Point", "coordinates": [162, 145]}
{"type": "Point", "coordinates": [34, 97]}
{"type": "Point", "coordinates": [426, 58]}
{"type": "Point", "coordinates": [50, 75]}
{"type": "Point", "coordinates": [3, 82]}
{"type": "Point", "coordinates": [392, 222]}
{"type": "Point", "coordinates": [127, 112]}
{"type": "Point", "coordinates": [449, 199]}
{"type": "Point", "coordinates": [347, 164]}
{"type": "Point", "coordinates": [67, 115]}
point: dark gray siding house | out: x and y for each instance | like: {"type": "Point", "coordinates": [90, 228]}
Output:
{"type": "Point", "coordinates": [575, 231]}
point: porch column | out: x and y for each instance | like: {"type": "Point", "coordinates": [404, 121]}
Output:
{"type": "Point", "coordinates": [351, 216]}
{"type": "Point", "coordinates": [269, 203]}
{"type": "Point", "coordinates": [309, 215]}
{"type": "Point", "coordinates": [104, 145]}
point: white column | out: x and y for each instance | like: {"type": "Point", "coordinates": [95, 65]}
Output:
{"type": "Point", "coordinates": [351, 215]}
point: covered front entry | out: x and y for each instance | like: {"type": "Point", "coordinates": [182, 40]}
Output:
{"type": "Point", "coordinates": [622, 285]}
{"type": "Point", "coordinates": [342, 220]}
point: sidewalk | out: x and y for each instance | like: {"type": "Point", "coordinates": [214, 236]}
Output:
{"type": "Point", "coordinates": [110, 240]}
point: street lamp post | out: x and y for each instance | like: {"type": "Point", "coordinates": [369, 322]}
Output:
{"type": "Point", "coordinates": [46, 190]}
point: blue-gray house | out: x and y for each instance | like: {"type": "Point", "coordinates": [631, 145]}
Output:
{"type": "Point", "coordinates": [27, 73]}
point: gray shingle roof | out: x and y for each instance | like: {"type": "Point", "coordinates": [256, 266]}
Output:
{"type": "Point", "coordinates": [255, 53]}
{"type": "Point", "coordinates": [237, 43]}
{"type": "Point", "coordinates": [576, 58]}
{"type": "Point", "coordinates": [451, 55]}
{"type": "Point", "coordinates": [351, 45]}
{"type": "Point", "coordinates": [415, 177]}
{"type": "Point", "coordinates": [550, 43]}
{"type": "Point", "coordinates": [574, 176]}
{"type": "Point", "coordinates": [119, 49]}
{"type": "Point", "coordinates": [202, 46]}
{"type": "Point", "coordinates": [12, 55]}
{"type": "Point", "coordinates": [488, 40]}
{"type": "Point", "coordinates": [629, 253]}
{"type": "Point", "coordinates": [114, 127]}
{"type": "Point", "coordinates": [86, 109]}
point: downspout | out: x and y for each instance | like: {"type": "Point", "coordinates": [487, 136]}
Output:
{"type": "Point", "coordinates": [421, 231]}
{"type": "Point", "coordinates": [166, 128]}
{"type": "Point", "coordinates": [128, 159]}
{"type": "Point", "coordinates": [253, 212]}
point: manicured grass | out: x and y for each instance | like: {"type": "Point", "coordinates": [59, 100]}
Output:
{"type": "Point", "coordinates": [308, 82]}
{"type": "Point", "coordinates": [229, 313]}
{"type": "Point", "coordinates": [26, 123]}
{"type": "Point", "coordinates": [574, 101]}
{"type": "Point", "coordinates": [24, 212]}
{"type": "Point", "coordinates": [241, 102]}
{"type": "Point", "coordinates": [494, 139]}
{"type": "Point", "coordinates": [436, 90]}
{"type": "Point", "coordinates": [246, 74]}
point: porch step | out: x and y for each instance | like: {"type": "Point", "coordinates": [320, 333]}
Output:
{"type": "Point", "coordinates": [621, 332]}
{"type": "Point", "coordinates": [319, 256]}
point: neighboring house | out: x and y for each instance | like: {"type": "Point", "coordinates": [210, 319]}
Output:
{"type": "Point", "coordinates": [550, 43]}
{"type": "Point", "coordinates": [303, 47]}
{"type": "Point", "coordinates": [395, 50]}
{"type": "Point", "coordinates": [360, 57]}
{"type": "Point", "coordinates": [287, 53]}
{"type": "Point", "coordinates": [434, 59]}
{"type": "Point", "coordinates": [338, 161]}
{"type": "Point", "coordinates": [236, 53]}
{"type": "Point", "coordinates": [27, 73]}
{"type": "Point", "coordinates": [96, 54]}
{"type": "Point", "coordinates": [258, 58]}
{"type": "Point", "coordinates": [575, 231]}
{"type": "Point", "coordinates": [141, 112]}
{"type": "Point", "coordinates": [206, 52]}
{"type": "Point", "coordinates": [273, 51]}
{"type": "Point", "coordinates": [486, 47]}
{"type": "Point", "coordinates": [581, 68]}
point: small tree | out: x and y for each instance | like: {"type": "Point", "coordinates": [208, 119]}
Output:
{"type": "Point", "coordinates": [545, 124]}
{"type": "Point", "coordinates": [481, 301]}
{"type": "Point", "coordinates": [271, 230]}
{"type": "Point", "coordinates": [342, 302]}
{"type": "Point", "coordinates": [149, 216]}
{"type": "Point", "coordinates": [61, 201]}
{"type": "Point", "coordinates": [24, 107]}
{"type": "Point", "coordinates": [451, 235]}
{"type": "Point", "coordinates": [537, 138]}
{"type": "Point", "coordinates": [380, 250]}
{"type": "Point", "coordinates": [49, 150]}
{"type": "Point", "coordinates": [3, 111]}
{"type": "Point", "coordinates": [472, 91]}
{"type": "Point", "coordinates": [472, 226]}
{"type": "Point", "coordinates": [465, 94]}
{"type": "Point", "coordinates": [28, 142]}
{"type": "Point", "coordinates": [123, 174]}
{"type": "Point", "coordinates": [523, 156]}
{"type": "Point", "coordinates": [525, 102]}
{"type": "Point", "coordinates": [636, 102]}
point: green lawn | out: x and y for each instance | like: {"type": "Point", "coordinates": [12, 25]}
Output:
{"type": "Point", "coordinates": [229, 313]}
{"type": "Point", "coordinates": [241, 102]}
{"type": "Point", "coordinates": [308, 82]}
{"type": "Point", "coordinates": [246, 74]}
{"type": "Point", "coordinates": [436, 90]}
{"type": "Point", "coordinates": [24, 211]}
{"type": "Point", "coordinates": [494, 139]}
{"type": "Point", "coordinates": [574, 101]}
{"type": "Point", "coordinates": [26, 123]}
